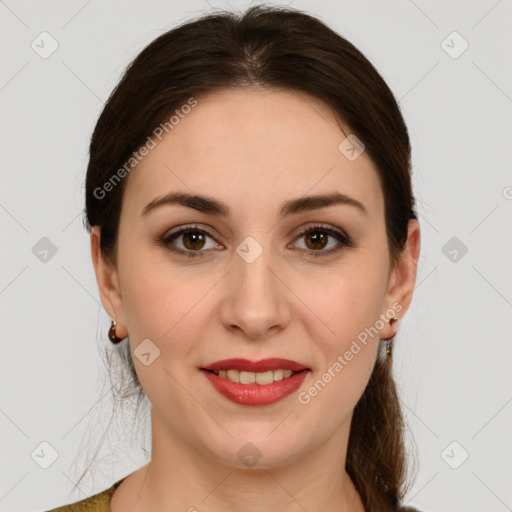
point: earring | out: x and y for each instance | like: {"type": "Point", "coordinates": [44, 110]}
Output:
{"type": "Point", "coordinates": [389, 341]}
{"type": "Point", "coordinates": [112, 334]}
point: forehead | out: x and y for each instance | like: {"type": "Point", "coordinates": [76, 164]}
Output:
{"type": "Point", "coordinates": [254, 148]}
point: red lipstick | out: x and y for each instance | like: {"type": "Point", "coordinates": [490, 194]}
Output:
{"type": "Point", "coordinates": [256, 394]}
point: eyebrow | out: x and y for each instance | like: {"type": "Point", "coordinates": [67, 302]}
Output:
{"type": "Point", "coordinates": [212, 206]}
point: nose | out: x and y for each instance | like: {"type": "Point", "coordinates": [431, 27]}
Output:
{"type": "Point", "coordinates": [256, 301]}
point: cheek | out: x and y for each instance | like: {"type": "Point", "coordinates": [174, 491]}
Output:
{"type": "Point", "coordinates": [342, 318]}
{"type": "Point", "coordinates": [149, 301]}
{"type": "Point", "coordinates": [347, 352]}
{"type": "Point", "coordinates": [346, 304]}
{"type": "Point", "coordinates": [168, 305]}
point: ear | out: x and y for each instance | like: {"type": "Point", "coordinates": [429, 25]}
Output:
{"type": "Point", "coordinates": [108, 284]}
{"type": "Point", "coordinates": [403, 277]}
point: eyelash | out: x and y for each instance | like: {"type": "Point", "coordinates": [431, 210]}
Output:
{"type": "Point", "coordinates": [345, 240]}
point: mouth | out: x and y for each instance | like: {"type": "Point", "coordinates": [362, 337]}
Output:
{"type": "Point", "coordinates": [255, 383]}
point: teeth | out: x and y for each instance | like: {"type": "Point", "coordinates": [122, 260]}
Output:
{"type": "Point", "coordinates": [260, 378]}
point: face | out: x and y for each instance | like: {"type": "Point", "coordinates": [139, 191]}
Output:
{"type": "Point", "coordinates": [249, 283]}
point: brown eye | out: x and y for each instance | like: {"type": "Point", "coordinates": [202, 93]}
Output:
{"type": "Point", "coordinates": [193, 240]}
{"type": "Point", "coordinates": [317, 239]}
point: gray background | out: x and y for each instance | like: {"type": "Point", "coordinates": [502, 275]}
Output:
{"type": "Point", "coordinates": [453, 351]}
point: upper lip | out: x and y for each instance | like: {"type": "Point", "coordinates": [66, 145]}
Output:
{"type": "Point", "coordinates": [263, 365]}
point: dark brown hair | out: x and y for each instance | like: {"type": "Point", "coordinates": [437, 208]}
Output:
{"type": "Point", "coordinates": [273, 47]}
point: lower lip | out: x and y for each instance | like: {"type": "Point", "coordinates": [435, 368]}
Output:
{"type": "Point", "coordinates": [255, 394]}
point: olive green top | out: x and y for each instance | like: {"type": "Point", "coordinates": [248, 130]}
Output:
{"type": "Point", "coordinates": [97, 503]}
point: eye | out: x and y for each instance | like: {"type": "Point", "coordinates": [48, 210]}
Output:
{"type": "Point", "coordinates": [193, 240]}
{"type": "Point", "coordinates": [317, 238]}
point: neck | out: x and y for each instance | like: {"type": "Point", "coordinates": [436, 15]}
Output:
{"type": "Point", "coordinates": [182, 477]}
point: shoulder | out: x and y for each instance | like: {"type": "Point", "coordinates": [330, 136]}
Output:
{"type": "Point", "coordinates": [409, 509]}
{"type": "Point", "coordinates": [97, 503]}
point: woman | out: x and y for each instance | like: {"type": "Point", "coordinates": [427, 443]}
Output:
{"type": "Point", "coordinates": [255, 243]}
